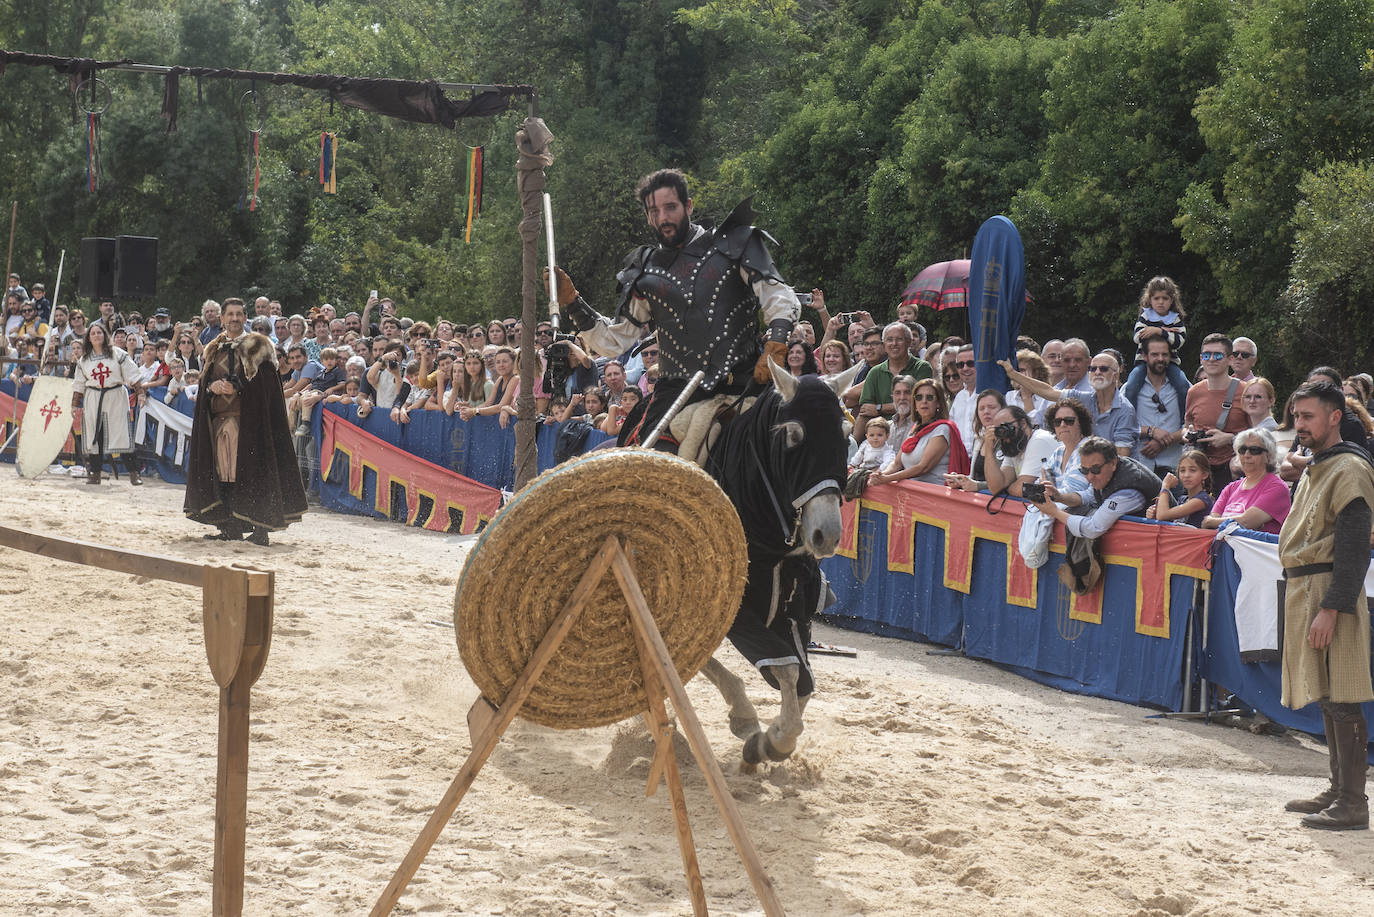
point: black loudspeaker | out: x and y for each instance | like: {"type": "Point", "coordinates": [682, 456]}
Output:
{"type": "Point", "coordinates": [95, 280]}
{"type": "Point", "coordinates": [135, 273]}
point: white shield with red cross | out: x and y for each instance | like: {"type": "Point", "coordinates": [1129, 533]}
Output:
{"type": "Point", "coordinates": [46, 425]}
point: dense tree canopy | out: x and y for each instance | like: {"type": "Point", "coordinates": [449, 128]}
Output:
{"type": "Point", "coordinates": [1224, 144]}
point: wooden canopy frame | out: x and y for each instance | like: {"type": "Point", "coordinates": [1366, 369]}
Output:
{"type": "Point", "coordinates": [410, 100]}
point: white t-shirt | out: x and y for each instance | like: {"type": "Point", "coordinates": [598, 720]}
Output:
{"type": "Point", "coordinates": [1036, 457]}
{"type": "Point", "coordinates": [962, 413]}
{"type": "Point", "coordinates": [1035, 411]}
{"type": "Point", "coordinates": [913, 458]}
{"type": "Point", "coordinates": [873, 459]}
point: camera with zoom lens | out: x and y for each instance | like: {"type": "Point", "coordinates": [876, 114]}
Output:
{"type": "Point", "coordinates": [393, 364]}
{"type": "Point", "coordinates": [559, 367]}
{"type": "Point", "coordinates": [1033, 492]}
{"type": "Point", "coordinates": [1193, 437]}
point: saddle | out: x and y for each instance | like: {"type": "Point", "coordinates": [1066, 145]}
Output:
{"type": "Point", "coordinates": [697, 426]}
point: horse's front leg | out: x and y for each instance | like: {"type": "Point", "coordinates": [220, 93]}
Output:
{"type": "Point", "coordinates": [744, 719]}
{"type": "Point", "coordinates": [778, 743]}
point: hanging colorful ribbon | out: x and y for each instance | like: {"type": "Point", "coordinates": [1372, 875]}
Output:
{"type": "Point", "coordinates": [475, 159]}
{"type": "Point", "coordinates": [251, 106]}
{"type": "Point", "coordinates": [93, 96]}
{"type": "Point", "coordinates": [329, 146]}
{"type": "Point", "coordinates": [257, 172]}
{"type": "Point", "coordinates": [92, 150]}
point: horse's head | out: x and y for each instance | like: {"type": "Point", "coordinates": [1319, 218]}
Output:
{"type": "Point", "coordinates": [808, 456]}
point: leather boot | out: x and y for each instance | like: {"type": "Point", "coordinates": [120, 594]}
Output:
{"type": "Point", "coordinates": [93, 472]}
{"type": "Point", "coordinates": [1350, 811]}
{"type": "Point", "coordinates": [1328, 795]}
{"type": "Point", "coordinates": [131, 465]}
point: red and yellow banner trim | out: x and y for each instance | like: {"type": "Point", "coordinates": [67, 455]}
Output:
{"type": "Point", "coordinates": [473, 503]}
{"type": "Point", "coordinates": [1157, 552]}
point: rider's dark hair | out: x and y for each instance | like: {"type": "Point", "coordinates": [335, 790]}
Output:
{"type": "Point", "coordinates": [663, 178]}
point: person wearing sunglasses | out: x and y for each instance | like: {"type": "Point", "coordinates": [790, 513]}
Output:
{"type": "Point", "coordinates": [1213, 413]}
{"type": "Point", "coordinates": [1258, 500]}
{"type": "Point", "coordinates": [1113, 416]}
{"type": "Point", "coordinates": [933, 451]}
{"type": "Point", "coordinates": [1158, 395]}
{"type": "Point", "coordinates": [1121, 486]}
{"type": "Point", "coordinates": [1243, 355]}
{"type": "Point", "coordinates": [965, 403]}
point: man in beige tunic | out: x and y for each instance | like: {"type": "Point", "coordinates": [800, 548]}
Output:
{"type": "Point", "coordinates": [1324, 549]}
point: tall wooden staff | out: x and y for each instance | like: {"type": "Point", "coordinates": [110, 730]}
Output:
{"type": "Point", "coordinates": [548, 245]}
{"type": "Point", "coordinates": [9, 259]}
{"type": "Point", "coordinates": [47, 339]}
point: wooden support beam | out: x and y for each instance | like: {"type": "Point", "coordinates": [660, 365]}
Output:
{"type": "Point", "coordinates": [490, 730]}
{"type": "Point", "coordinates": [237, 605]}
{"type": "Point", "coordinates": [94, 555]}
{"type": "Point", "coordinates": [642, 620]}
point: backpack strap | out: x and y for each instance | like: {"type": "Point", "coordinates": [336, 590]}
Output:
{"type": "Point", "coordinates": [1225, 414]}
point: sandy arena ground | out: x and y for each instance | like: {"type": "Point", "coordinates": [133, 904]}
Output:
{"type": "Point", "coordinates": [923, 785]}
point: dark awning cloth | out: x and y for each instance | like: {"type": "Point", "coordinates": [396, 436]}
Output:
{"type": "Point", "coordinates": [421, 101]}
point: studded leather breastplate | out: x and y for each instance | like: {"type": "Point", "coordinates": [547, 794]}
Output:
{"type": "Point", "coordinates": [704, 312]}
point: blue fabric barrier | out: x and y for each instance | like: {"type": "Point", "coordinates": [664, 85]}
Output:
{"type": "Point", "coordinates": [7, 386]}
{"type": "Point", "coordinates": [480, 449]}
{"type": "Point", "coordinates": [876, 600]}
{"type": "Point", "coordinates": [1107, 660]}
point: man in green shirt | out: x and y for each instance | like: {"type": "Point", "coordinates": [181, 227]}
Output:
{"type": "Point", "coordinates": [898, 341]}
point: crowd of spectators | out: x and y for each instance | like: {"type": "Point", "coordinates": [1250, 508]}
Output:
{"type": "Point", "coordinates": [1083, 435]}
{"type": "Point", "coordinates": [1094, 436]}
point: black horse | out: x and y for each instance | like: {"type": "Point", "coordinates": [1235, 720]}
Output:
{"type": "Point", "coordinates": [782, 464]}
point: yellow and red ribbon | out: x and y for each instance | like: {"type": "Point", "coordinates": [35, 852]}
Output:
{"type": "Point", "coordinates": [475, 159]}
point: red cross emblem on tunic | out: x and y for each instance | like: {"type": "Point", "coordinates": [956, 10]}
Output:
{"type": "Point", "coordinates": [101, 373]}
{"type": "Point", "coordinates": [50, 412]}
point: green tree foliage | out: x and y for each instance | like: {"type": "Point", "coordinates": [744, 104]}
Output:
{"type": "Point", "coordinates": [1188, 137]}
{"type": "Point", "coordinates": [1123, 145]}
{"type": "Point", "coordinates": [1292, 95]}
{"type": "Point", "coordinates": [1332, 280]}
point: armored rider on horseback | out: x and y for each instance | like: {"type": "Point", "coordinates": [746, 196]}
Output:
{"type": "Point", "coordinates": [701, 289]}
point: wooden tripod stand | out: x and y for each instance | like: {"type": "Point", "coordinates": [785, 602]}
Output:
{"type": "Point", "coordinates": [487, 723]}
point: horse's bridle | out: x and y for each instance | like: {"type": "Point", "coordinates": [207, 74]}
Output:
{"type": "Point", "coordinates": [790, 530]}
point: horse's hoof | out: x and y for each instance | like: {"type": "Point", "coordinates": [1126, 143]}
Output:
{"type": "Point", "coordinates": [758, 748]}
{"type": "Point", "coordinates": [743, 727]}
{"type": "Point", "coordinates": [753, 748]}
{"type": "Point", "coordinates": [746, 768]}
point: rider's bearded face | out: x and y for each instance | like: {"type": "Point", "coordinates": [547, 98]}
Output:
{"type": "Point", "coordinates": [667, 215]}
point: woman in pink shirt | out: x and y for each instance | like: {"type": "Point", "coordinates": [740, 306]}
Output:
{"type": "Point", "coordinates": [1260, 500]}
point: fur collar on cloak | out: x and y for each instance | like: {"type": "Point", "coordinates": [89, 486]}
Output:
{"type": "Point", "coordinates": [254, 350]}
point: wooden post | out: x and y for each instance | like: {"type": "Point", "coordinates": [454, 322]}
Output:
{"type": "Point", "coordinates": [238, 632]}
{"type": "Point", "coordinates": [643, 622]}
{"type": "Point", "coordinates": [487, 724]}
{"type": "Point", "coordinates": [665, 765]}
{"type": "Point", "coordinates": [9, 259]}
{"type": "Point", "coordinates": [237, 615]}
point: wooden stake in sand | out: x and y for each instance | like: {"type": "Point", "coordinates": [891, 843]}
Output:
{"type": "Point", "coordinates": [489, 722]}
{"type": "Point", "coordinates": [237, 612]}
